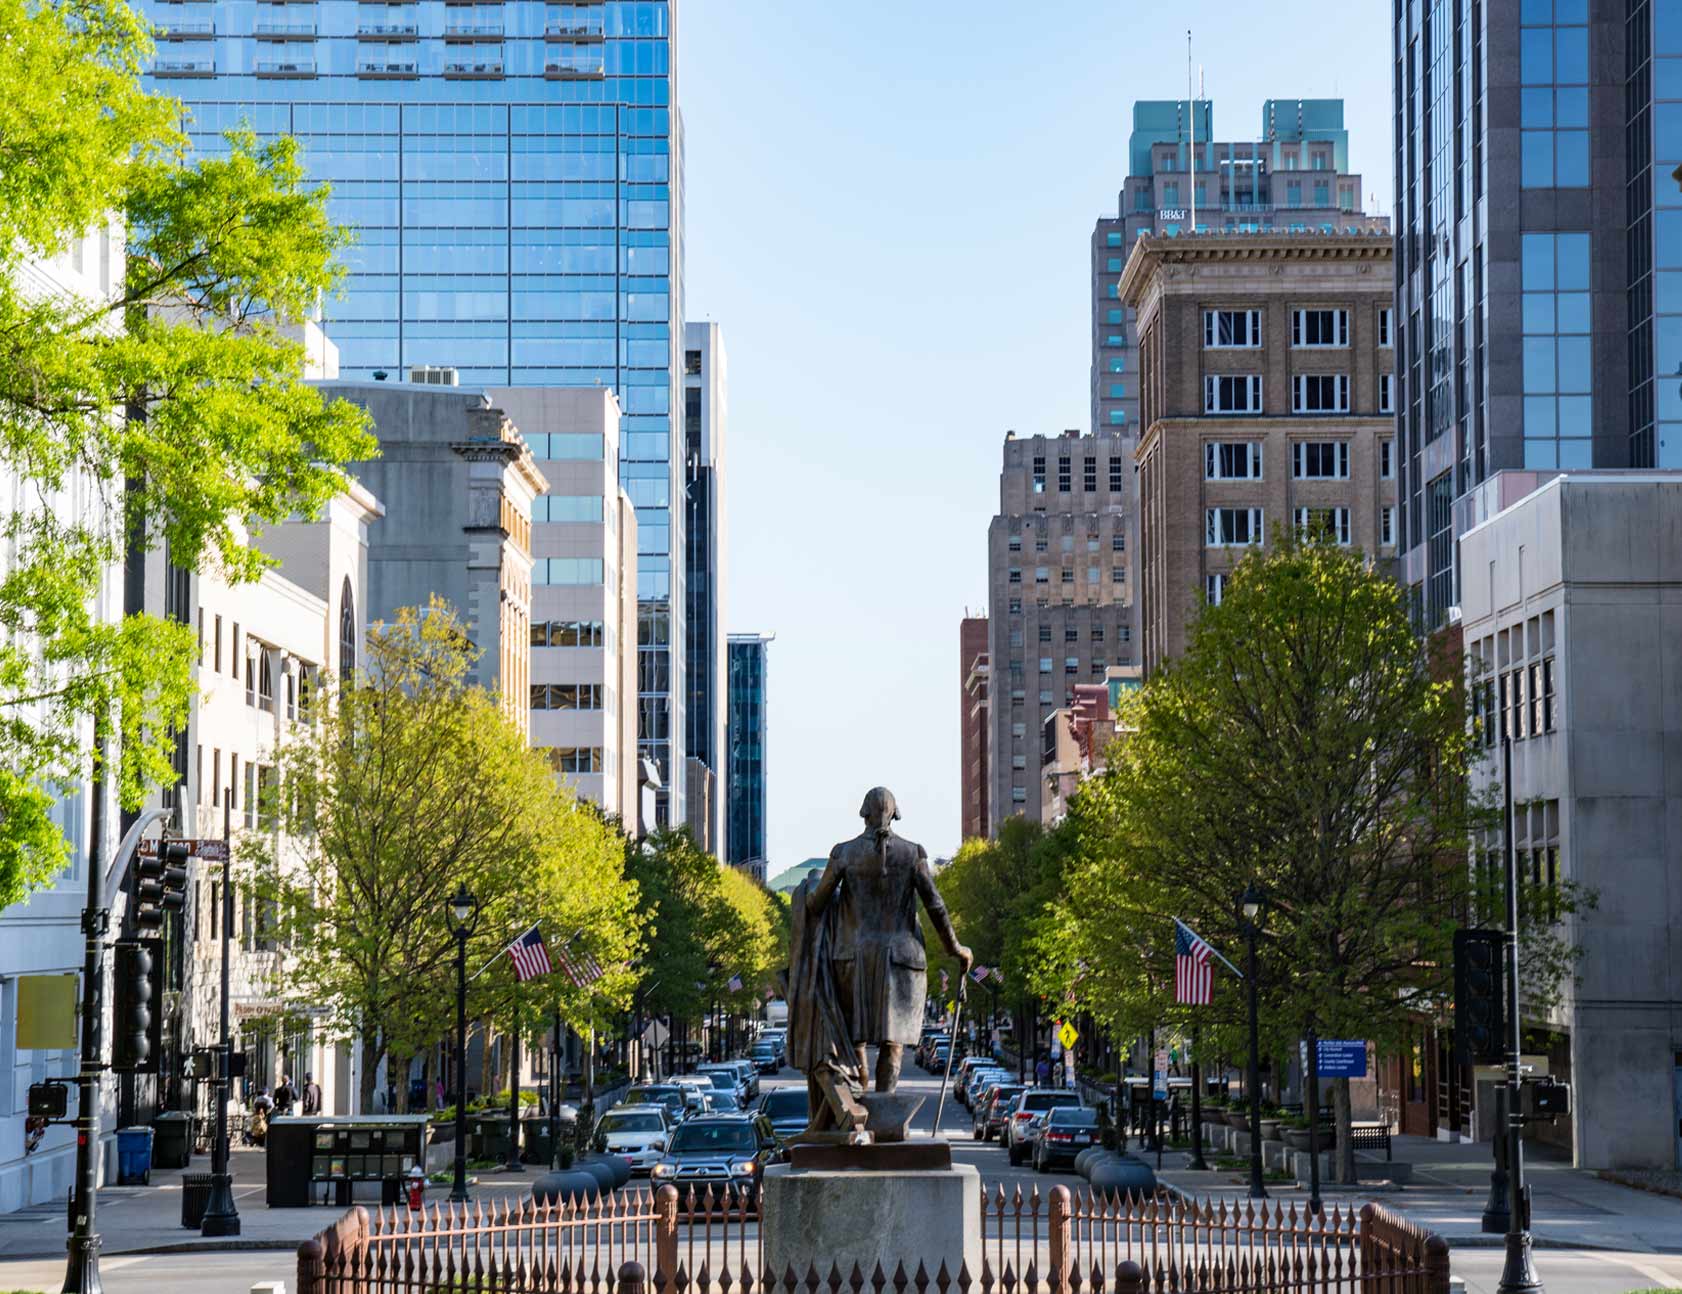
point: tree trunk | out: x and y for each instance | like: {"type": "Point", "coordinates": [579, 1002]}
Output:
{"type": "Point", "coordinates": [1343, 1118]}
{"type": "Point", "coordinates": [486, 1075]}
{"type": "Point", "coordinates": [397, 1065]}
{"type": "Point", "coordinates": [371, 1052]}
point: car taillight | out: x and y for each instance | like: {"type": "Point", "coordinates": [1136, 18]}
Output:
{"type": "Point", "coordinates": [1059, 1136]}
{"type": "Point", "coordinates": [1024, 1114]}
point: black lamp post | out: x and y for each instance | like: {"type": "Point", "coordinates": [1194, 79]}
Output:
{"type": "Point", "coordinates": [1251, 903]}
{"type": "Point", "coordinates": [221, 1214]}
{"type": "Point", "coordinates": [464, 916]}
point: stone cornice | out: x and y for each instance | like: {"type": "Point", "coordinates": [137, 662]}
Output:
{"type": "Point", "coordinates": [1154, 252]}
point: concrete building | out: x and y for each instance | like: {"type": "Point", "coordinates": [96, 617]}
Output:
{"type": "Point", "coordinates": [41, 935]}
{"type": "Point", "coordinates": [1572, 608]}
{"type": "Point", "coordinates": [1061, 595]}
{"type": "Point", "coordinates": [1539, 239]}
{"type": "Point", "coordinates": [584, 599]}
{"type": "Point", "coordinates": [515, 176]}
{"type": "Point", "coordinates": [465, 480]}
{"type": "Point", "coordinates": [973, 728]}
{"type": "Point", "coordinates": [1267, 377]}
{"type": "Point", "coordinates": [1291, 176]}
{"type": "Point", "coordinates": [705, 412]}
{"type": "Point", "coordinates": [265, 649]}
{"type": "Point", "coordinates": [749, 736]}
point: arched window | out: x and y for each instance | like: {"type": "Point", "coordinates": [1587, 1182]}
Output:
{"type": "Point", "coordinates": [265, 684]}
{"type": "Point", "coordinates": [347, 633]}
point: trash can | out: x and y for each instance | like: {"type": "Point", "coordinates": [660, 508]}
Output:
{"type": "Point", "coordinates": [134, 1156]}
{"type": "Point", "coordinates": [391, 1190]}
{"type": "Point", "coordinates": [534, 1141]}
{"type": "Point", "coordinates": [195, 1198]}
{"type": "Point", "coordinates": [172, 1142]}
{"type": "Point", "coordinates": [493, 1138]}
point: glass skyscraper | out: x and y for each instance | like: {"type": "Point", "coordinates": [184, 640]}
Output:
{"type": "Point", "coordinates": [748, 735]}
{"type": "Point", "coordinates": [515, 173]}
{"type": "Point", "coordinates": [1538, 257]}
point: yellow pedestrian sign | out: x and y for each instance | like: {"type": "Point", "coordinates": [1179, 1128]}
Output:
{"type": "Point", "coordinates": [1067, 1035]}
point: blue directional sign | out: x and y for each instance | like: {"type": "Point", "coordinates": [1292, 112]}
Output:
{"type": "Point", "coordinates": [1342, 1059]}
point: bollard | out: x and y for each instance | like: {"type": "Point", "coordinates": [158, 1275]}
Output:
{"type": "Point", "coordinates": [631, 1278]}
{"type": "Point", "coordinates": [1129, 1278]}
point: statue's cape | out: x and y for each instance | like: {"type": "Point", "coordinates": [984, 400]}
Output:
{"type": "Point", "coordinates": [817, 1029]}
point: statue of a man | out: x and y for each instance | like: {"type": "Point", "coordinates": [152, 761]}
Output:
{"type": "Point", "coordinates": [869, 893]}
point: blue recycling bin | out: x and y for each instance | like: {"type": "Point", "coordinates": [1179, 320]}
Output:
{"type": "Point", "coordinates": [134, 1156]}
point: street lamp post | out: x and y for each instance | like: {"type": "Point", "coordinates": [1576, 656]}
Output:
{"type": "Point", "coordinates": [221, 1214]}
{"type": "Point", "coordinates": [464, 916]}
{"type": "Point", "coordinates": [1251, 903]}
{"type": "Point", "coordinates": [1518, 1273]}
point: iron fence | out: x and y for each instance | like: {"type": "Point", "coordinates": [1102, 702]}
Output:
{"type": "Point", "coordinates": [1059, 1242]}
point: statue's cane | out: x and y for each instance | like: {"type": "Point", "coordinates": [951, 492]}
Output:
{"type": "Point", "coordinates": [952, 1047]}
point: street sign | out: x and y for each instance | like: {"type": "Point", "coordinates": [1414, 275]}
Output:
{"type": "Point", "coordinates": [1159, 1077]}
{"type": "Point", "coordinates": [209, 851]}
{"type": "Point", "coordinates": [1338, 1059]}
{"type": "Point", "coordinates": [1067, 1035]}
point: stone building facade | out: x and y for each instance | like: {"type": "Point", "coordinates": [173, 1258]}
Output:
{"type": "Point", "coordinates": [1266, 396]}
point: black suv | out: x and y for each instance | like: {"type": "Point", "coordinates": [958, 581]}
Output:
{"type": "Point", "coordinates": [717, 1158]}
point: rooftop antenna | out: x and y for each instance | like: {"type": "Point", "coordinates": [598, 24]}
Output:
{"type": "Point", "coordinates": [1191, 108]}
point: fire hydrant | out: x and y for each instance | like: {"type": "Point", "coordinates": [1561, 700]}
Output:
{"type": "Point", "coordinates": [415, 1180]}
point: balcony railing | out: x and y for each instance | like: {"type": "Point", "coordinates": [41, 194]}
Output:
{"type": "Point", "coordinates": [188, 30]}
{"type": "Point", "coordinates": [473, 30]}
{"type": "Point", "coordinates": [184, 67]}
{"type": "Point", "coordinates": [285, 30]}
{"type": "Point", "coordinates": [266, 68]}
{"type": "Point", "coordinates": [572, 67]}
{"type": "Point", "coordinates": [576, 30]}
{"type": "Point", "coordinates": [473, 69]}
{"type": "Point", "coordinates": [386, 69]}
{"type": "Point", "coordinates": [388, 30]}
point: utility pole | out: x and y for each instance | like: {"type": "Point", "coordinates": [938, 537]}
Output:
{"type": "Point", "coordinates": [1518, 1273]}
{"type": "Point", "coordinates": [221, 1214]}
{"type": "Point", "coordinates": [81, 1274]}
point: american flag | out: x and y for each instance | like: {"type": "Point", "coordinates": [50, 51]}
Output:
{"type": "Point", "coordinates": [581, 968]}
{"type": "Point", "coordinates": [998, 975]}
{"type": "Point", "coordinates": [1194, 977]}
{"type": "Point", "coordinates": [979, 973]}
{"type": "Point", "coordinates": [529, 956]}
{"type": "Point", "coordinates": [735, 984]}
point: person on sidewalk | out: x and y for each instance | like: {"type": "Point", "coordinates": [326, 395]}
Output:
{"type": "Point", "coordinates": [1042, 1071]}
{"type": "Point", "coordinates": [284, 1096]}
{"type": "Point", "coordinates": [262, 1107]}
{"type": "Point", "coordinates": [311, 1095]}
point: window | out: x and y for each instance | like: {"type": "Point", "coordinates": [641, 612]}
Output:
{"type": "Point", "coordinates": [216, 645]}
{"type": "Point", "coordinates": [1014, 605]}
{"type": "Point", "coordinates": [567, 633]}
{"type": "Point", "coordinates": [1386, 393]}
{"type": "Point", "coordinates": [1018, 731]}
{"type": "Point", "coordinates": [347, 632]}
{"type": "Point", "coordinates": [1018, 795]}
{"type": "Point", "coordinates": [1068, 575]}
{"type": "Point", "coordinates": [1039, 543]}
{"type": "Point", "coordinates": [1387, 527]}
{"type": "Point", "coordinates": [1387, 459]}
{"type": "Point", "coordinates": [1232, 527]}
{"type": "Point", "coordinates": [1319, 328]}
{"type": "Point", "coordinates": [1232, 460]}
{"type": "Point", "coordinates": [1039, 473]}
{"type": "Point", "coordinates": [1320, 460]}
{"type": "Point", "coordinates": [1554, 98]}
{"type": "Point", "coordinates": [1320, 393]}
{"type": "Point", "coordinates": [1045, 664]}
{"type": "Point", "coordinates": [1214, 589]}
{"type": "Point", "coordinates": [265, 683]}
{"type": "Point", "coordinates": [1547, 682]}
{"type": "Point", "coordinates": [567, 508]}
{"type": "Point", "coordinates": [567, 570]}
{"type": "Point", "coordinates": [1071, 664]}
{"type": "Point", "coordinates": [566, 696]}
{"type": "Point", "coordinates": [1118, 542]}
{"type": "Point", "coordinates": [1089, 475]}
{"type": "Point", "coordinates": [1042, 575]}
{"type": "Point", "coordinates": [1386, 336]}
{"type": "Point", "coordinates": [1015, 544]}
{"type": "Point", "coordinates": [1557, 359]}
{"type": "Point", "coordinates": [1065, 474]}
{"type": "Point", "coordinates": [575, 759]}
{"type": "Point", "coordinates": [1071, 634]}
{"type": "Point", "coordinates": [1015, 575]}
{"type": "Point", "coordinates": [1019, 761]}
{"type": "Point", "coordinates": [1091, 574]}
{"type": "Point", "coordinates": [1237, 393]}
{"type": "Point", "coordinates": [1231, 329]}
{"type": "Point", "coordinates": [1045, 633]}
{"type": "Point", "coordinates": [1097, 633]}
{"type": "Point", "coordinates": [1115, 473]}
{"type": "Point", "coordinates": [1323, 524]}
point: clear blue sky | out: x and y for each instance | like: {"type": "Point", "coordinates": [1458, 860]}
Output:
{"type": "Point", "coordinates": [888, 212]}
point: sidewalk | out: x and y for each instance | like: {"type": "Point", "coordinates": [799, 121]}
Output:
{"type": "Point", "coordinates": [141, 1219]}
{"type": "Point", "coordinates": [1571, 1208]}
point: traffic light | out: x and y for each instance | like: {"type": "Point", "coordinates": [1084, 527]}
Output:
{"type": "Point", "coordinates": [1480, 1036]}
{"type": "Point", "coordinates": [137, 1012]}
{"type": "Point", "coordinates": [160, 885]}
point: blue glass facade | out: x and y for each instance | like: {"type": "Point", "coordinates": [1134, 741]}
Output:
{"type": "Point", "coordinates": [515, 174]}
{"type": "Point", "coordinates": [745, 794]}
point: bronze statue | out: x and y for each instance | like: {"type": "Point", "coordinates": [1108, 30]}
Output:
{"type": "Point", "coordinates": [857, 967]}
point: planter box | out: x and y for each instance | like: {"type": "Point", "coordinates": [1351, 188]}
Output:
{"type": "Point", "coordinates": [1301, 1162]}
{"type": "Point", "coordinates": [1275, 1155]}
{"type": "Point", "coordinates": [1297, 1138]}
{"type": "Point", "coordinates": [1270, 1129]}
{"type": "Point", "coordinates": [1240, 1142]}
{"type": "Point", "coordinates": [1238, 1119]}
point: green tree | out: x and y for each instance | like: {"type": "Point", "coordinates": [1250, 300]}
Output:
{"type": "Point", "coordinates": [409, 785]}
{"type": "Point", "coordinates": [170, 413]}
{"type": "Point", "coordinates": [1306, 743]}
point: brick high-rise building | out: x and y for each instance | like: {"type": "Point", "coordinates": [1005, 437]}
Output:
{"type": "Point", "coordinates": [1061, 596]}
{"type": "Point", "coordinates": [972, 723]}
{"type": "Point", "coordinates": [1267, 380]}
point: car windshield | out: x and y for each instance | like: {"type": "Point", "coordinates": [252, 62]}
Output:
{"type": "Point", "coordinates": [722, 1079]}
{"type": "Point", "coordinates": [714, 1138]}
{"type": "Point", "coordinates": [667, 1096]}
{"type": "Point", "coordinates": [722, 1101]}
{"type": "Point", "coordinates": [1004, 1093]}
{"type": "Point", "coordinates": [1048, 1100]}
{"type": "Point", "coordinates": [1073, 1117]}
{"type": "Point", "coordinates": [631, 1123]}
{"type": "Point", "coordinates": [786, 1103]}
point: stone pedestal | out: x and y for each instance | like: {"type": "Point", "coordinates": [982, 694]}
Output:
{"type": "Point", "coordinates": [865, 1216]}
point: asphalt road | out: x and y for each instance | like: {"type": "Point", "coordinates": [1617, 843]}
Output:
{"type": "Point", "coordinates": [1562, 1271]}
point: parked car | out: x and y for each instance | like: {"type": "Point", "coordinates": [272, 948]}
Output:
{"type": "Point", "coordinates": [724, 1076]}
{"type": "Point", "coordinates": [721, 1156]}
{"type": "Point", "coordinates": [1062, 1134]}
{"type": "Point", "coordinates": [670, 1095]}
{"type": "Point", "coordinates": [963, 1071]}
{"type": "Point", "coordinates": [765, 1056]}
{"type": "Point", "coordinates": [977, 1078]}
{"type": "Point", "coordinates": [1025, 1114]}
{"type": "Point", "coordinates": [721, 1102]}
{"type": "Point", "coordinates": [925, 1047]}
{"type": "Point", "coordinates": [994, 1108]}
{"type": "Point", "coordinates": [787, 1109]}
{"type": "Point", "coordinates": [636, 1133]}
{"type": "Point", "coordinates": [750, 1075]}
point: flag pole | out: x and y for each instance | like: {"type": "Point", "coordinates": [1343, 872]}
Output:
{"type": "Point", "coordinates": [1212, 952]}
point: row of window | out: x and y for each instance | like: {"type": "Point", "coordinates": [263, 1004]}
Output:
{"type": "Point", "coordinates": [1088, 474]}
{"type": "Point", "coordinates": [567, 508]}
{"type": "Point", "coordinates": [567, 570]}
{"type": "Point", "coordinates": [1311, 393]}
{"type": "Point", "coordinates": [1071, 633]}
{"type": "Point", "coordinates": [1094, 574]}
{"type": "Point", "coordinates": [566, 696]}
{"type": "Point", "coordinates": [1244, 527]}
{"type": "Point", "coordinates": [1311, 460]}
{"type": "Point", "coordinates": [1319, 329]}
{"type": "Point", "coordinates": [575, 759]}
{"type": "Point", "coordinates": [1118, 543]}
{"type": "Point", "coordinates": [567, 633]}
{"type": "Point", "coordinates": [1517, 703]}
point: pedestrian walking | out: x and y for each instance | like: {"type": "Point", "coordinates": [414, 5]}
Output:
{"type": "Point", "coordinates": [311, 1095]}
{"type": "Point", "coordinates": [284, 1096]}
{"type": "Point", "coordinates": [1042, 1071]}
{"type": "Point", "coordinates": [262, 1108]}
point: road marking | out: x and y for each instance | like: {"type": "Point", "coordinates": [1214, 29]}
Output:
{"type": "Point", "coordinates": [1659, 1277]}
